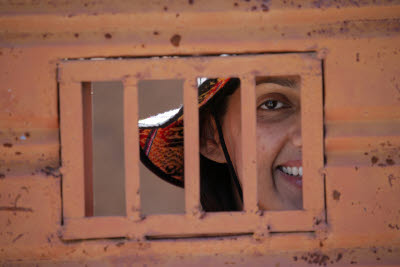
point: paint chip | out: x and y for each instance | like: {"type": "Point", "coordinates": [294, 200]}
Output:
{"type": "Point", "coordinates": [175, 40]}
{"type": "Point", "coordinates": [374, 160]}
{"type": "Point", "coordinates": [336, 195]}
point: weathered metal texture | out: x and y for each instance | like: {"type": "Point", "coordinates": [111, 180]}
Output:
{"type": "Point", "coordinates": [358, 43]}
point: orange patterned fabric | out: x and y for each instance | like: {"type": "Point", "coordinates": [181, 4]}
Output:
{"type": "Point", "coordinates": [161, 148]}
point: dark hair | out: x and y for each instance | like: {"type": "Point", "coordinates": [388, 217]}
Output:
{"type": "Point", "coordinates": [217, 189]}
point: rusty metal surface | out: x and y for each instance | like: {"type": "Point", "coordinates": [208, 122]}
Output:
{"type": "Point", "coordinates": [358, 43]}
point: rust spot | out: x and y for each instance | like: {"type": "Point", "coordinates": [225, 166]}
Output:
{"type": "Point", "coordinates": [317, 221]}
{"type": "Point", "coordinates": [18, 237]}
{"type": "Point", "coordinates": [2, 176]}
{"type": "Point", "coordinates": [16, 209]}
{"type": "Point", "coordinates": [393, 226]}
{"type": "Point", "coordinates": [177, 15]}
{"type": "Point", "coordinates": [108, 35]}
{"type": "Point", "coordinates": [336, 195]}
{"type": "Point", "coordinates": [339, 257]}
{"type": "Point", "coordinates": [356, 168]}
{"type": "Point", "coordinates": [374, 160]}
{"type": "Point", "coordinates": [309, 33]}
{"type": "Point", "coordinates": [316, 258]}
{"type": "Point", "coordinates": [353, 262]}
{"type": "Point", "coordinates": [50, 171]}
{"type": "Point", "coordinates": [76, 35]}
{"type": "Point", "coordinates": [175, 40]}
{"type": "Point", "coordinates": [165, 8]}
{"type": "Point", "coordinates": [295, 258]}
{"type": "Point", "coordinates": [321, 244]}
{"type": "Point", "coordinates": [105, 248]}
{"type": "Point", "coordinates": [365, 153]}
{"type": "Point", "coordinates": [7, 145]}
{"type": "Point", "coordinates": [27, 134]}
{"type": "Point", "coordinates": [18, 153]}
{"type": "Point", "coordinates": [253, 8]}
{"type": "Point", "coordinates": [120, 244]}
{"type": "Point", "coordinates": [264, 8]}
{"type": "Point", "coordinates": [236, 4]}
{"type": "Point", "coordinates": [156, 33]}
{"type": "Point", "coordinates": [389, 162]}
{"type": "Point", "coordinates": [358, 57]}
{"type": "Point", "coordinates": [143, 46]}
{"type": "Point", "coordinates": [191, 2]}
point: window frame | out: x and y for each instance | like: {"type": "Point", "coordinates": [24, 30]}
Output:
{"type": "Point", "coordinates": [73, 73]}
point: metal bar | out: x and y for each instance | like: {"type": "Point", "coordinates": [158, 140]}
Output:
{"type": "Point", "coordinates": [87, 110]}
{"type": "Point", "coordinates": [249, 137]}
{"type": "Point", "coordinates": [131, 144]}
{"type": "Point", "coordinates": [71, 124]}
{"type": "Point", "coordinates": [312, 139]}
{"type": "Point", "coordinates": [212, 66]}
{"type": "Point", "coordinates": [191, 148]}
{"type": "Point", "coordinates": [183, 225]}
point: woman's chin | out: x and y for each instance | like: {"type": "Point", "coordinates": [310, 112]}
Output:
{"type": "Point", "coordinates": [290, 189]}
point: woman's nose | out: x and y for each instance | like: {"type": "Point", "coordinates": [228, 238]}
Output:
{"type": "Point", "coordinates": [296, 133]}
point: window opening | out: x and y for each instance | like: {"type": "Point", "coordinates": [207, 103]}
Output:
{"type": "Point", "coordinates": [219, 126]}
{"type": "Point", "coordinates": [158, 99]}
{"type": "Point", "coordinates": [279, 146]}
{"type": "Point", "coordinates": [104, 148]}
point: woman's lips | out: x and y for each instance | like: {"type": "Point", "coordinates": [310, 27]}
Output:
{"type": "Point", "coordinates": [292, 172]}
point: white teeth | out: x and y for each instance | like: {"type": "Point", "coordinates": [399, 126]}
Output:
{"type": "Point", "coordinates": [295, 171]}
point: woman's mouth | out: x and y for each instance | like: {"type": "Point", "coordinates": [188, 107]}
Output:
{"type": "Point", "coordinates": [292, 172]}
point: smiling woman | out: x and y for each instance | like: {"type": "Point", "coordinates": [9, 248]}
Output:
{"type": "Point", "coordinates": [278, 141]}
{"type": "Point", "coordinates": [279, 144]}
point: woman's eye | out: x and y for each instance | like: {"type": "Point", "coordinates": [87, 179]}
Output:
{"type": "Point", "coordinates": [272, 104]}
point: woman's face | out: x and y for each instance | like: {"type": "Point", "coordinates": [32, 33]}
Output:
{"type": "Point", "coordinates": [279, 165]}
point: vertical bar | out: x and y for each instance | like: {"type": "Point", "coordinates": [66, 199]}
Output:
{"type": "Point", "coordinates": [191, 147]}
{"type": "Point", "coordinates": [131, 151]}
{"type": "Point", "coordinates": [71, 123]}
{"type": "Point", "coordinates": [249, 138]}
{"type": "Point", "coordinates": [312, 138]}
{"type": "Point", "coordinates": [87, 116]}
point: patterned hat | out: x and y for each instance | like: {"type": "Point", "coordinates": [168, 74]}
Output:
{"type": "Point", "coordinates": [161, 136]}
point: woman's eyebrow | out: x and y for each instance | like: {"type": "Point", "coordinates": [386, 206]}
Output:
{"type": "Point", "coordinates": [288, 81]}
